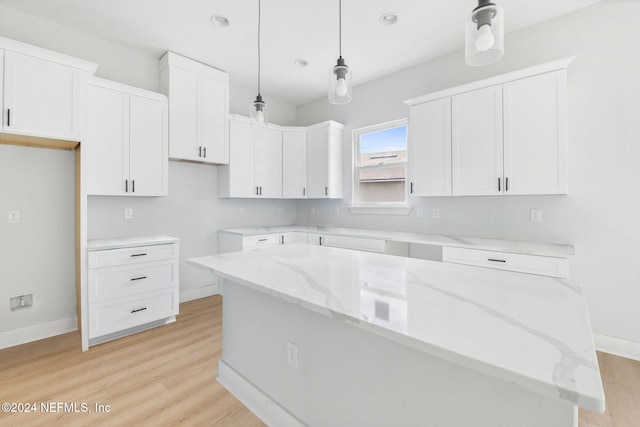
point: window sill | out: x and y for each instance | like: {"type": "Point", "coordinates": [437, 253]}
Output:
{"type": "Point", "coordinates": [381, 210]}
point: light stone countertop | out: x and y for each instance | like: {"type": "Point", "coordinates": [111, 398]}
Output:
{"type": "Point", "coordinates": [529, 330]}
{"type": "Point", "coordinates": [513, 246]}
{"type": "Point", "coordinates": [129, 242]}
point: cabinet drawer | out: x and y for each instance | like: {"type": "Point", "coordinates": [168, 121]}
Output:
{"type": "Point", "coordinates": [357, 243]}
{"type": "Point", "coordinates": [260, 240]}
{"type": "Point", "coordinates": [111, 257]}
{"type": "Point", "coordinates": [533, 264]}
{"type": "Point", "coordinates": [109, 317]}
{"type": "Point", "coordinates": [119, 282]}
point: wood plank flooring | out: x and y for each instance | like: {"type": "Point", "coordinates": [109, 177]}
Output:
{"type": "Point", "coordinates": [166, 377]}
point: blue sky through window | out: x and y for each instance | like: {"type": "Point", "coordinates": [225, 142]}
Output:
{"type": "Point", "coordinates": [394, 139]}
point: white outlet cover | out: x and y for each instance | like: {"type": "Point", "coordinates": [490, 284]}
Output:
{"type": "Point", "coordinates": [536, 215]}
{"type": "Point", "coordinates": [435, 213]}
{"type": "Point", "coordinates": [292, 354]}
{"type": "Point", "coordinates": [128, 213]}
{"type": "Point", "coordinates": [13, 217]}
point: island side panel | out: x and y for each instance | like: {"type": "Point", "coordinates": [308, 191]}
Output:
{"type": "Point", "coordinates": [346, 376]}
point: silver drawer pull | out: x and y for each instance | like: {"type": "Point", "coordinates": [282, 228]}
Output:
{"type": "Point", "coordinates": [135, 255]}
{"type": "Point", "coordinates": [139, 278]}
{"type": "Point", "coordinates": [496, 260]}
{"type": "Point", "coordinates": [138, 310]}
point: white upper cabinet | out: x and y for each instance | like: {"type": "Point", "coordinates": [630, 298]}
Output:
{"type": "Point", "coordinates": [43, 92]}
{"type": "Point", "coordinates": [127, 141]}
{"type": "Point", "coordinates": [324, 161]}
{"type": "Point", "coordinates": [269, 162]}
{"type": "Point", "coordinates": [198, 109]}
{"type": "Point", "coordinates": [508, 135]}
{"type": "Point", "coordinates": [294, 164]}
{"type": "Point", "coordinates": [535, 134]}
{"type": "Point", "coordinates": [477, 142]}
{"type": "Point", "coordinates": [430, 148]}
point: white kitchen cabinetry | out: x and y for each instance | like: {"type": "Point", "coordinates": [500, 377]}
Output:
{"type": "Point", "coordinates": [508, 135]}
{"type": "Point", "coordinates": [131, 288]}
{"type": "Point", "coordinates": [127, 140]}
{"type": "Point", "coordinates": [255, 167]}
{"type": "Point", "coordinates": [43, 92]}
{"type": "Point", "coordinates": [477, 142]}
{"type": "Point", "coordinates": [294, 163]}
{"type": "Point", "coordinates": [324, 161]}
{"type": "Point", "coordinates": [430, 148]}
{"type": "Point", "coordinates": [198, 109]}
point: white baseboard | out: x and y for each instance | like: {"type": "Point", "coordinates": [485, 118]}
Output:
{"type": "Point", "coordinates": [206, 291]}
{"type": "Point", "coordinates": [617, 346]}
{"type": "Point", "coordinates": [38, 332]}
{"type": "Point", "coordinates": [265, 408]}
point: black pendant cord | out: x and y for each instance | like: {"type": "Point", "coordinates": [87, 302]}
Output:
{"type": "Point", "coordinates": [259, 15]}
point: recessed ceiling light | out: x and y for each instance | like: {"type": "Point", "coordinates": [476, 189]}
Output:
{"type": "Point", "coordinates": [219, 21]}
{"type": "Point", "coordinates": [301, 62]}
{"type": "Point", "coordinates": [388, 18]}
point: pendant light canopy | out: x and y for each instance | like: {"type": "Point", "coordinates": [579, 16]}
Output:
{"type": "Point", "coordinates": [340, 74]}
{"type": "Point", "coordinates": [258, 108]}
{"type": "Point", "coordinates": [484, 34]}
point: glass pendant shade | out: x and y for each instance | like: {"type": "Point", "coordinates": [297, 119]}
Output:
{"type": "Point", "coordinates": [258, 111]}
{"type": "Point", "coordinates": [484, 34]}
{"type": "Point", "coordinates": [340, 83]}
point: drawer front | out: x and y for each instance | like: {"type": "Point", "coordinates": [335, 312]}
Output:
{"type": "Point", "coordinates": [533, 264]}
{"type": "Point", "coordinates": [119, 282]}
{"type": "Point", "coordinates": [111, 257]}
{"type": "Point", "coordinates": [259, 241]}
{"type": "Point", "coordinates": [357, 243]}
{"type": "Point", "coordinates": [108, 317]}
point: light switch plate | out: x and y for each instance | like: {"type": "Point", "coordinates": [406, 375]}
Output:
{"type": "Point", "coordinates": [536, 215]}
{"type": "Point", "coordinates": [13, 217]}
{"type": "Point", "coordinates": [435, 213]}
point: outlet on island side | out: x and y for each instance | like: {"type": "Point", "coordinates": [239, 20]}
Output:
{"type": "Point", "coordinates": [292, 354]}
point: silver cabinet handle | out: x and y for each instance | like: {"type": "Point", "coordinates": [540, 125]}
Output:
{"type": "Point", "coordinates": [320, 240]}
{"type": "Point", "coordinates": [257, 194]}
{"type": "Point", "coordinates": [282, 240]}
{"type": "Point", "coordinates": [326, 191]}
{"type": "Point", "coordinates": [135, 255]}
{"type": "Point", "coordinates": [506, 184]}
{"type": "Point", "coordinates": [498, 184]}
{"type": "Point", "coordinates": [126, 185]}
{"type": "Point", "coordinates": [496, 260]}
{"type": "Point", "coordinates": [200, 151]}
{"type": "Point", "coordinates": [205, 152]}
{"type": "Point", "coordinates": [8, 117]}
{"type": "Point", "coordinates": [304, 191]}
{"type": "Point", "coordinates": [133, 185]}
{"type": "Point", "coordinates": [138, 278]}
{"type": "Point", "coordinates": [138, 310]}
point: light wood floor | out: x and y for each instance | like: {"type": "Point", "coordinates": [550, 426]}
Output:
{"type": "Point", "coordinates": [166, 377]}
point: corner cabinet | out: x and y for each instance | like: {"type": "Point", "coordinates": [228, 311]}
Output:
{"type": "Point", "coordinates": [324, 161]}
{"type": "Point", "coordinates": [506, 135]}
{"type": "Point", "coordinates": [198, 109]}
{"type": "Point", "coordinates": [127, 141]}
{"type": "Point", "coordinates": [294, 163]}
{"type": "Point", "coordinates": [255, 168]}
{"type": "Point", "coordinates": [43, 92]}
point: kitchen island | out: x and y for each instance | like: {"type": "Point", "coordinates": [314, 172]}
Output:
{"type": "Point", "coordinates": [329, 337]}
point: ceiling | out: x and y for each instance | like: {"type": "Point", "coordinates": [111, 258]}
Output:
{"type": "Point", "coordinates": [291, 29]}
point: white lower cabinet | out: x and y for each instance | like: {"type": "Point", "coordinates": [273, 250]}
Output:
{"type": "Point", "coordinates": [131, 288]}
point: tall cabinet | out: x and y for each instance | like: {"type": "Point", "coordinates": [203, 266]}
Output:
{"type": "Point", "coordinates": [198, 109]}
{"type": "Point", "coordinates": [506, 135]}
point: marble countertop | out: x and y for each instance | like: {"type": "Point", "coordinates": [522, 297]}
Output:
{"type": "Point", "coordinates": [129, 242]}
{"type": "Point", "coordinates": [512, 246]}
{"type": "Point", "coordinates": [529, 330]}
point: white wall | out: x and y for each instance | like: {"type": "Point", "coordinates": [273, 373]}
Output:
{"type": "Point", "coordinates": [37, 255]}
{"type": "Point", "coordinates": [192, 212]}
{"type": "Point", "coordinates": [601, 214]}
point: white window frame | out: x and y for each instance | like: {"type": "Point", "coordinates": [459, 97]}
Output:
{"type": "Point", "coordinates": [399, 208]}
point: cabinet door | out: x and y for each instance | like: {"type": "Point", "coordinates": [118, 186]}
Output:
{"type": "Point", "coordinates": [535, 139]}
{"type": "Point", "coordinates": [148, 147]}
{"type": "Point", "coordinates": [317, 163]}
{"type": "Point", "coordinates": [269, 162]}
{"type": "Point", "coordinates": [184, 125]}
{"type": "Point", "coordinates": [334, 170]}
{"type": "Point", "coordinates": [107, 142]}
{"type": "Point", "coordinates": [294, 164]}
{"type": "Point", "coordinates": [214, 121]}
{"type": "Point", "coordinates": [241, 169]}
{"type": "Point", "coordinates": [477, 142]}
{"type": "Point", "coordinates": [43, 98]}
{"type": "Point", "coordinates": [430, 148]}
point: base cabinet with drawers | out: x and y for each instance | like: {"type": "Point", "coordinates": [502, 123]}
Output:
{"type": "Point", "coordinates": [132, 285]}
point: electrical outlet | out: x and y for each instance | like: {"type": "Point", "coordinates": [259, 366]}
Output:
{"type": "Point", "coordinates": [13, 217]}
{"type": "Point", "coordinates": [22, 301]}
{"type": "Point", "coordinates": [435, 213]}
{"type": "Point", "coordinates": [536, 215]}
{"type": "Point", "coordinates": [128, 213]}
{"type": "Point", "coordinates": [241, 211]}
{"type": "Point", "coordinates": [419, 213]}
{"type": "Point", "coordinates": [292, 354]}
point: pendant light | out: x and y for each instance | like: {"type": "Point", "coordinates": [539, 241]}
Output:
{"type": "Point", "coordinates": [340, 74]}
{"type": "Point", "coordinates": [258, 108]}
{"type": "Point", "coordinates": [484, 34]}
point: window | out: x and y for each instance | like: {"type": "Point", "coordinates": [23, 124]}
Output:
{"type": "Point", "coordinates": [380, 164]}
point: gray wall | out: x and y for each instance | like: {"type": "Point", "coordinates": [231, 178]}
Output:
{"type": "Point", "coordinates": [600, 216]}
